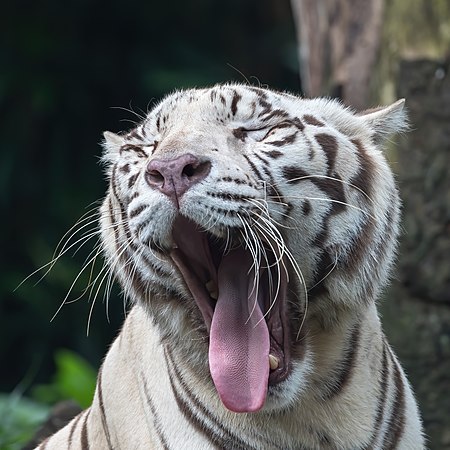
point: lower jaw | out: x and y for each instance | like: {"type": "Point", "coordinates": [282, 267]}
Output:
{"type": "Point", "coordinates": [278, 375]}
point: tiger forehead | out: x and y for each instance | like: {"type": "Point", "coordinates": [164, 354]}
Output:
{"type": "Point", "coordinates": [223, 103]}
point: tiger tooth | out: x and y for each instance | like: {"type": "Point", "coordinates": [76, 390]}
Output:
{"type": "Point", "coordinates": [273, 362]}
{"type": "Point", "coordinates": [212, 289]}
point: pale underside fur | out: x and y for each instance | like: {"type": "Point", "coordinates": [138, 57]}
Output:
{"type": "Point", "coordinates": [304, 180]}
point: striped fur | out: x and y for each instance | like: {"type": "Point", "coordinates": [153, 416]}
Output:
{"type": "Point", "coordinates": [302, 182]}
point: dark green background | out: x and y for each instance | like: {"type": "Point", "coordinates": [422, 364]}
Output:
{"type": "Point", "coordinates": [64, 66]}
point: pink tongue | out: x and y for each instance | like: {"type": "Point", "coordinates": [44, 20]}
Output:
{"type": "Point", "coordinates": [239, 346]}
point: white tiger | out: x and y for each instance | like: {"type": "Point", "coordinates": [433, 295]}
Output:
{"type": "Point", "coordinates": [253, 231]}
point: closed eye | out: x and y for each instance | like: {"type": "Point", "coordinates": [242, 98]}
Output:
{"type": "Point", "coordinates": [257, 134]}
{"type": "Point", "coordinates": [260, 134]}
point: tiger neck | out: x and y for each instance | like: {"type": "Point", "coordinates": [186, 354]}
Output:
{"type": "Point", "coordinates": [182, 383]}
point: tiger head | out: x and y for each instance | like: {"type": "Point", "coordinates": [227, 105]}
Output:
{"type": "Point", "coordinates": [243, 218]}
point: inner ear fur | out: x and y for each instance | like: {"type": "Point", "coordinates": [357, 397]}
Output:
{"type": "Point", "coordinates": [386, 120]}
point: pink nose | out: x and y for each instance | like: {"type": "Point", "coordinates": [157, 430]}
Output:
{"type": "Point", "coordinates": [173, 177]}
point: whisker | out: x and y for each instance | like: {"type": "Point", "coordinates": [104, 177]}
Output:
{"type": "Point", "coordinates": [327, 274]}
{"type": "Point", "coordinates": [334, 179]}
{"type": "Point", "coordinates": [331, 200]}
{"type": "Point", "coordinates": [256, 257]}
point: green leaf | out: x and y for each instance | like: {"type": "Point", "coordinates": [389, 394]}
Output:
{"type": "Point", "coordinates": [75, 379]}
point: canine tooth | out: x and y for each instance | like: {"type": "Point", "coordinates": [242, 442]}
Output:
{"type": "Point", "coordinates": [273, 362]}
{"type": "Point", "coordinates": [212, 289]}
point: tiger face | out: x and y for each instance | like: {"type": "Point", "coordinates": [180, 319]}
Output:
{"type": "Point", "coordinates": [243, 219]}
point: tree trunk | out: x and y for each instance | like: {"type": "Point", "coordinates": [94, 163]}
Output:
{"type": "Point", "coordinates": [338, 46]}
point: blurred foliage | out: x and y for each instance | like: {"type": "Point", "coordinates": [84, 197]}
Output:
{"type": "Point", "coordinates": [66, 66]}
{"type": "Point", "coordinates": [424, 30]}
{"type": "Point", "coordinates": [412, 29]}
{"type": "Point", "coordinates": [19, 418]}
{"type": "Point", "coordinates": [75, 378]}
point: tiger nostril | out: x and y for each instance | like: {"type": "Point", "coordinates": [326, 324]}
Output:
{"type": "Point", "coordinates": [154, 177]}
{"type": "Point", "coordinates": [198, 170]}
{"type": "Point", "coordinates": [189, 170]}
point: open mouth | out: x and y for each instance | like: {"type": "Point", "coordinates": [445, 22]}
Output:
{"type": "Point", "coordinates": [242, 298]}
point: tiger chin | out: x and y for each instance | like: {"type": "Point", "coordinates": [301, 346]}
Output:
{"type": "Point", "coordinates": [252, 232]}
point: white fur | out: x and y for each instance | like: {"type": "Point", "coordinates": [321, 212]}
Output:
{"type": "Point", "coordinates": [297, 414]}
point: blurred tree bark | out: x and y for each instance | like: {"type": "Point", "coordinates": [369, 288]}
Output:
{"type": "Point", "coordinates": [338, 46]}
{"type": "Point", "coordinates": [400, 49]}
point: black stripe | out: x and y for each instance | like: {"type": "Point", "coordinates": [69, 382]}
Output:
{"type": "Point", "coordinates": [155, 146]}
{"type": "Point", "coordinates": [274, 193]}
{"type": "Point", "coordinates": [253, 167]}
{"type": "Point", "coordinates": [133, 273]}
{"type": "Point", "coordinates": [237, 181]}
{"type": "Point", "coordinates": [234, 102]}
{"type": "Point", "coordinates": [275, 113]}
{"type": "Point", "coordinates": [113, 184]}
{"type": "Point", "coordinates": [115, 227]}
{"type": "Point", "coordinates": [134, 134]}
{"type": "Point", "coordinates": [229, 196]}
{"type": "Point", "coordinates": [134, 148]}
{"type": "Point", "coordinates": [134, 195]}
{"type": "Point", "coordinates": [191, 417]}
{"type": "Point", "coordinates": [298, 123]}
{"type": "Point", "coordinates": [132, 180]}
{"type": "Point", "coordinates": [397, 420]}
{"type": "Point", "coordinates": [102, 409]}
{"type": "Point", "coordinates": [158, 121]}
{"type": "Point", "coordinates": [334, 188]}
{"type": "Point", "coordinates": [285, 141]}
{"type": "Point", "coordinates": [125, 168]}
{"type": "Point", "coordinates": [156, 419]}
{"type": "Point", "coordinates": [324, 266]}
{"type": "Point", "coordinates": [136, 211]}
{"type": "Point", "coordinates": [275, 154]}
{"type": "Point", "coordinates": [84, 441]}
{"type": "Point", "coordinates": [112, 213]}
{"type": "Point", "coordinates": [226, 439]}
{"type": "Point", "coordinates": [158, 270]}
{"type": "Point", "coordinates": [382, 399]}
{"type": "Point", "coordinates": [72, 428]}
{"type": "Point", "coordinates": [330, 147]}
{"type": "Point", "coordinates": [311, 120]}
{"type": "Point", "coordinates": [262, 100]}
{"type": "Point", "coordinates": [240, 133]}
{"type": "Point", "coordinates": [123, 214]}
{"type": "Point", "coordinates": [264, 161]}
{"type": "Point", "coordinates": [294, 174]}
{"type": "Point", "coordinates": [367, 170]}
{"type": "Point", "coordinates": [340, 381]}
{"type": "Point", "coordinates": [222, 211]}
{"type": "Point", "coordinates": [306, 207]}
{"type": "Point", "coordinates": [360, 246]}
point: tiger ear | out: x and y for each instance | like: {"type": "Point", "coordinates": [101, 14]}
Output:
{"type": "Point", "coordinates": [111, 146]}
{"type": "Point", "coordinates": [386, 120]}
